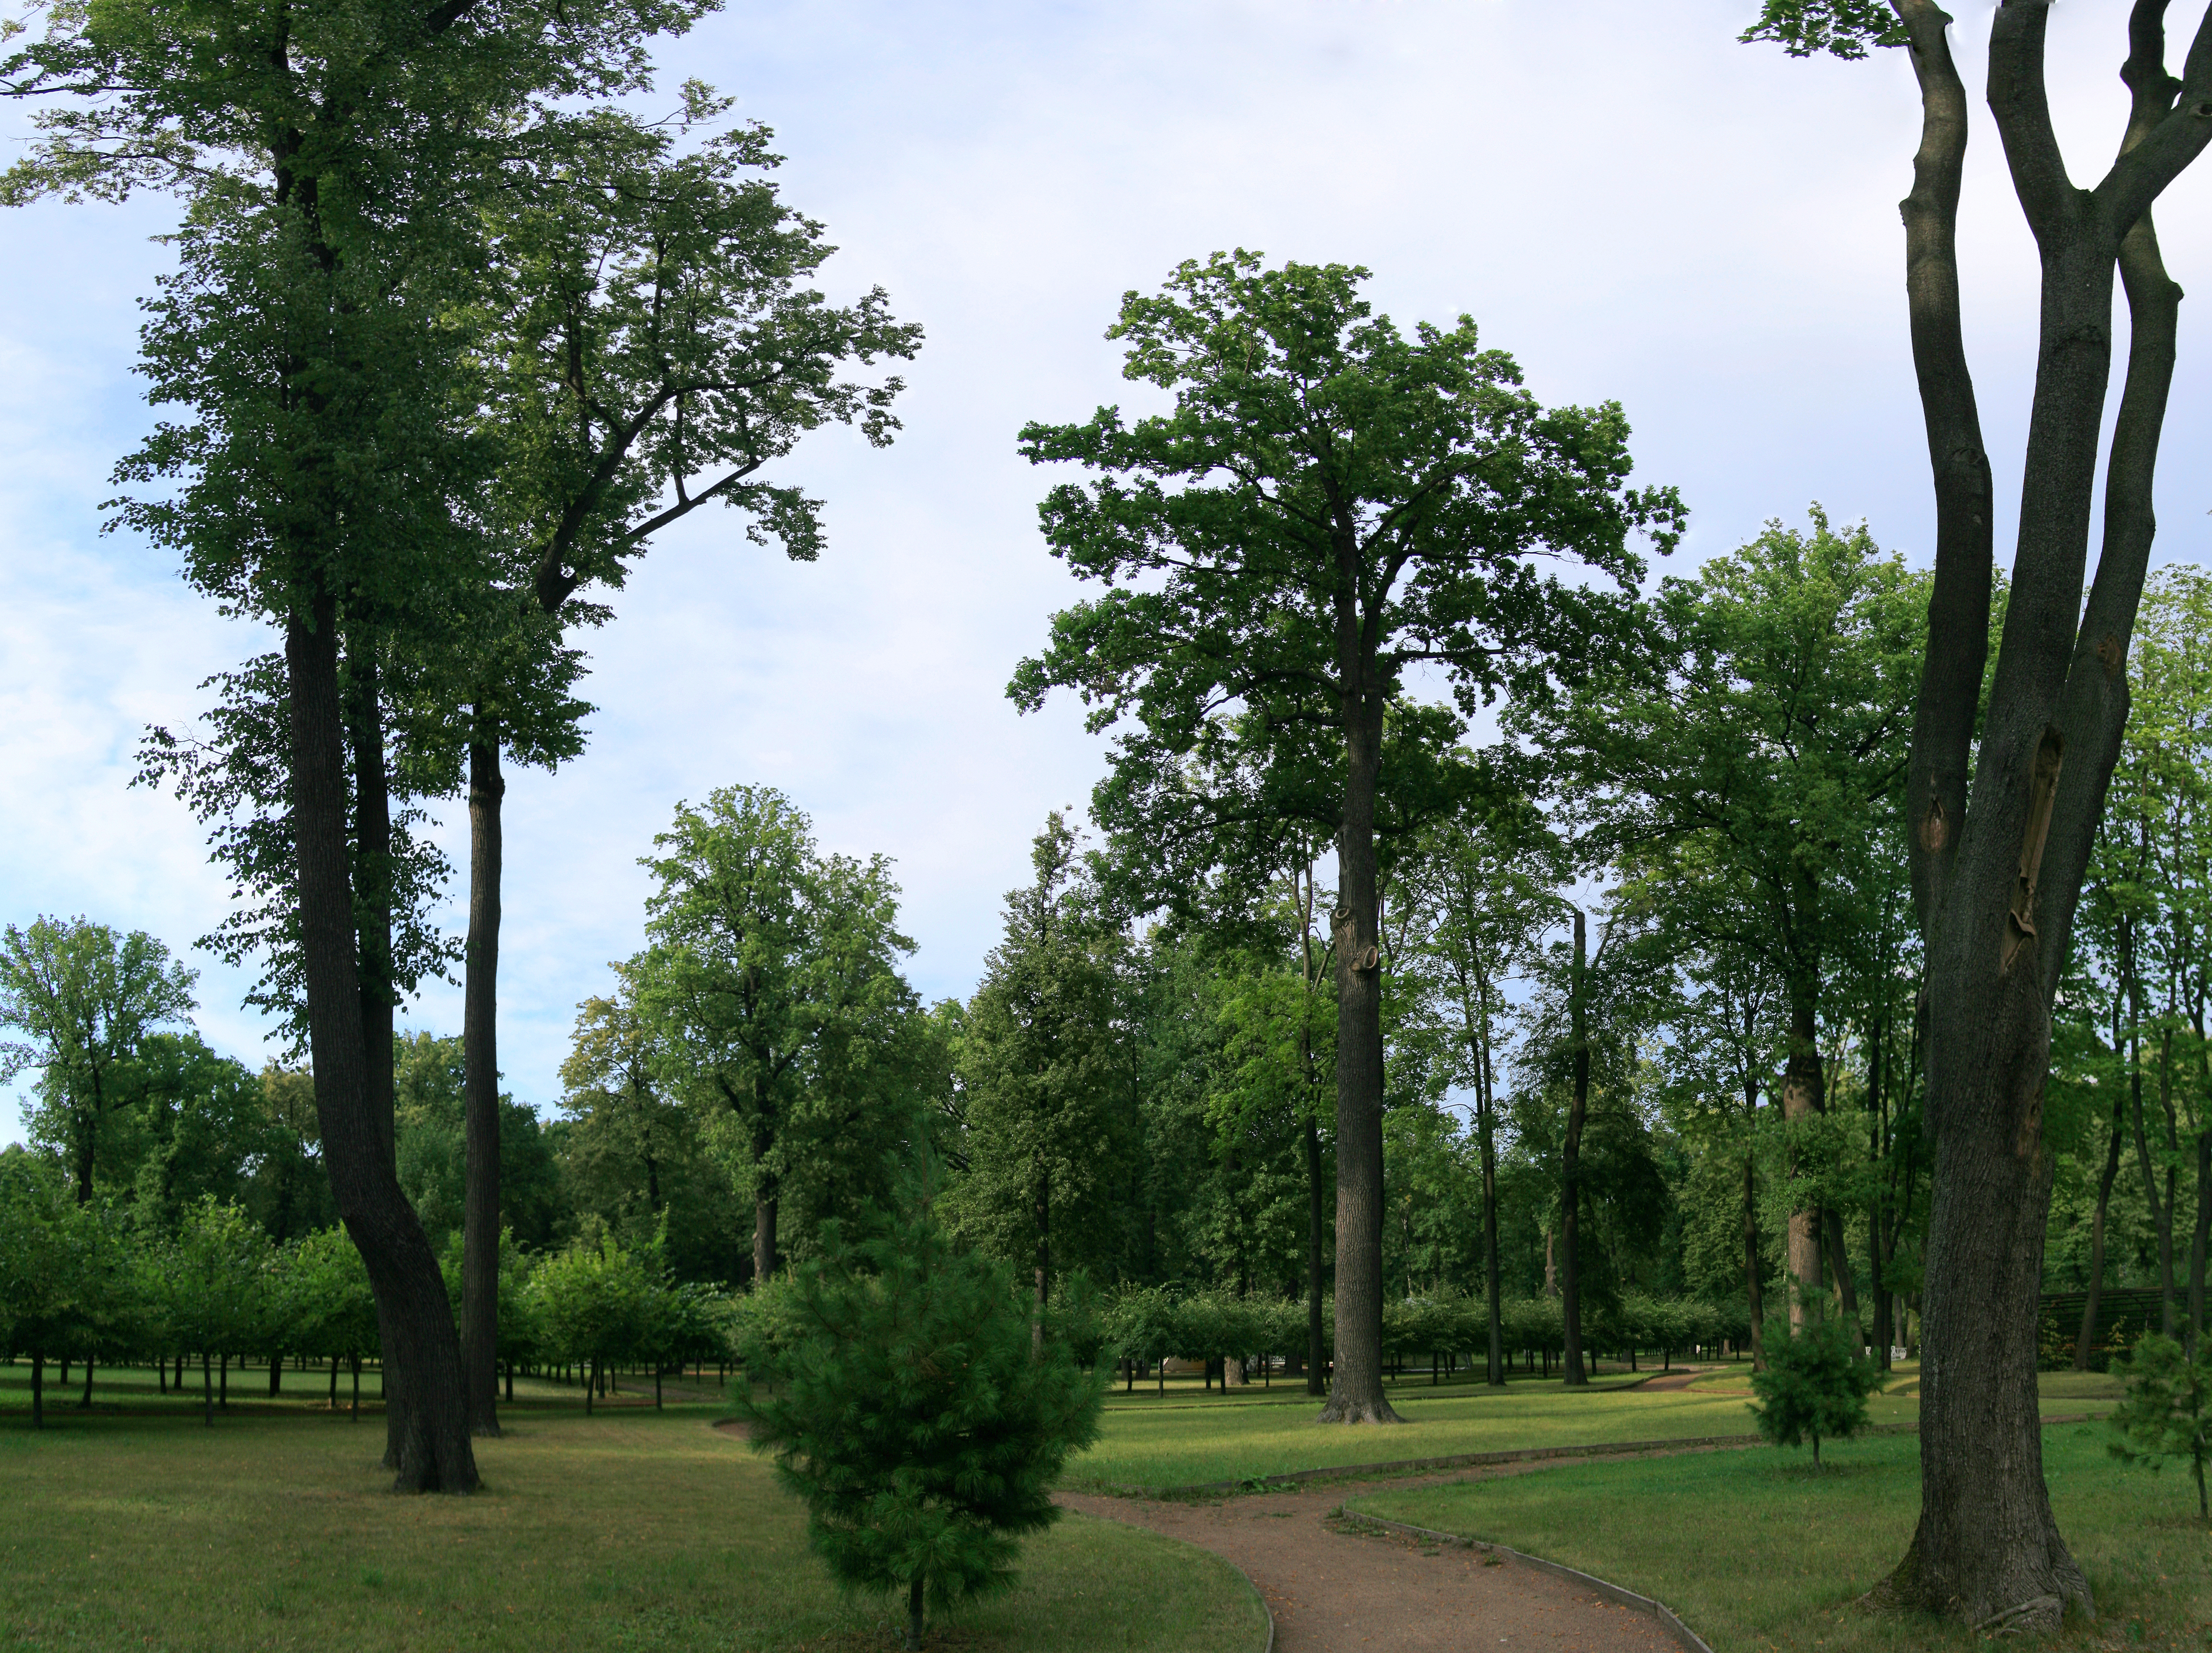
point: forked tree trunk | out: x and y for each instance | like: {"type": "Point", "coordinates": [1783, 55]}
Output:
{"type": "Point", "coordinates": [1571, 1167]}
{"type": "Point", "coordinates": [423, 1354]}
{"type": "Point", "coordinates": [480, 1067]}
{"type": "Point", "coordinates": [1355, 1393]}
{"type": "Point", "coordinates": [1996, 876]}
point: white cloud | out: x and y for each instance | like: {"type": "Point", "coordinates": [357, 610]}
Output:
{"type": "Point", "coordinates": [1633, 205]}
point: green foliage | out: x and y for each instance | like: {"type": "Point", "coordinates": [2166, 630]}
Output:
{"type": "Point", "coordinates": [1047, 1130]}
{"type": "Point", "coordinates": [1814, 1385]}
{"type": "Point", "coordinates": [2167, 1413]}
{"type": "Point", "coordinates": [915, 1415]}
{"type": "Point", "coordinates": [1845, 27]}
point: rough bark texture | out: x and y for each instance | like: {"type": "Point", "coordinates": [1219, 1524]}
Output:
{"type": "Point", "coordinates": [424, 1354]}
{"type": "Point", "coordinates": [1571, 1161]}
{"type": "Point", "coordinates": [1997, 879]}
{"type": "Point", "coordinates": [1355, 1393]}
{"type": "Point", "coordinates": [480, 1082]}
{"type": "Point", "coordinates": [1804, 1091]}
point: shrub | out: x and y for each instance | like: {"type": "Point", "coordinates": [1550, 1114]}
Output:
{"type": "Point", "coordinates": [1814, 1385]}
{"type": "Point", "coordinates": [914, 1414]}
{"type": "Point", "coordinates": [2168, 1410]}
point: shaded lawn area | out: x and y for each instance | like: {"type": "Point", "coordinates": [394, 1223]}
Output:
{"type": "Point", "coordinates": [139, 1388]}
{"type": "Point", "coordinates": [1756, 1551]}
{"type": "Point", "coordinates": [1181, 1442]}
{"type": "Point", "coordinates": [633, 1531]}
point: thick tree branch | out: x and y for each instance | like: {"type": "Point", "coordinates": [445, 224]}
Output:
{"type": "Point", "coordinates": [1958, 602]}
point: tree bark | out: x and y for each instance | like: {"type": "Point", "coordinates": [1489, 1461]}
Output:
{"type": "Point", "coordinates": [1494, 1372]}
{"type": "Point", "coordinates": [1356, 1394]}
{"type": "Point", "coordinates": [1996, 887]}
{"type": "Point", "coordinates": [1571, 1188]}
{"type": "Point", "coordinates": [1316, 1350]}
{"type": "Point", "coordinates": [480, 1236]}
{"type": "Point", "coordinates": [1804, 1095]}
{"type": "Point", "coordinates": [2086, 1342]}
{"type": "Point", "coordinates": [423, 1351]}
{"type": "Point", "coordinates": [1751, 1260]}
{"type": "Point", "coordinates": [38, 1390]}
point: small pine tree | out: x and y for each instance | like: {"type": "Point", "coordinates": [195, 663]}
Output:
{"type": "Point", "coordinates": [1815, 1385]}
{"type": "Point", "coordinates": [911, 1413]}
{"type": "Point", "coordinates": [2168, 1410]}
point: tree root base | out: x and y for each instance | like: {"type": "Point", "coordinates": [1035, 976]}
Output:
{"type": "Point", "coordinates": [1358, 1412]}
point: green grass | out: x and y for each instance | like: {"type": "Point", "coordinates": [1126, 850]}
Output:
{"type": "Point", "coordinates": [631, 1531]}
{"type": "Point", "coordinates": [1191, 1439]}
{"type": "Point", "coordinates": [1758, 1552]}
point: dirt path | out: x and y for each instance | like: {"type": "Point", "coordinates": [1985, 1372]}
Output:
{"type": "Point", "coordinates": [1335, 1591]}
{"type": "Point", "coordinates": [1681, 1378]}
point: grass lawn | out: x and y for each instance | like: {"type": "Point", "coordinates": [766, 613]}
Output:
{"type": "Point", "coordinates": [1191, 1439]}
{"type": "Point", "coordinates": [1757, 1552]}
{"type": "Point", "coordinates": [632, 1530]}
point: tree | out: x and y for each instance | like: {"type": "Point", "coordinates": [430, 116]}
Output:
{"type": "Point", "coordinates": [54, 1272]}
{"type": "Point", "coordinates": [85, 1000]}
{"type": "Point", "coordinates": [213, 1280]}
{"type": "Point", "coordinates": [915, 1415]}
{"type": "Point", "coordinates": [2167, 1413]}
{"type": "Point", "coordinates": [333, 163]}
{"type": "Point", "coordinates": [2001, 828]}
{"type": "Point", "coordinates": [1814, 1385]}
{"type": "Point", "coordinates": [1329, 505]}
{"type": "Point", "coordinates": [594, 1302]}
{"type": "Point", "coordinates": [653, 333]}
{"type": "Point", "coordinates": [1037, 1059]}
{"type": "Point", "coordinates": [774, 984]}
{"type": "Point", "coordinates": [1764, 739]}
{"type": "Point", "coordinates": [1478, 895]}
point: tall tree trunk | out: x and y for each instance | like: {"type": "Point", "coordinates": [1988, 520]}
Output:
{"type": "Point", "coordinates": [2161, 1210]}
{"type": "Point", "coordinates": [480, 1069]}
{"type": "Point", "coordinates": [1570, 1184]}
{"type": "Point", "coordinates": [84, 1401]}
{"type": "Point", "coordinates": [423, 1353]}
{"type": "Point", "coordinates": [38, 1389]}
{"type": "Point", "coordinates": [1751, 1292]}
{"type": "Point", "coordinates": [1804, 1094]}
{"type": "Point", "coordinates": [1356, 1385]}
{"type": "Point", "coordinates": [1495, 1371]}
{"type": "Point", "coordinates": [1997, 881]}
{"type": "Point", "coordinates": [276, 1374]}
{"type": "Point", "coordinates": [2196, 1243]}
{"type": "Point", "coordinates": [2086, 1343]}
{"type": "Point", "coordinates": [1042, 1263]}
{"type": "Point", "coordinates": [1317, 1349]}
{"type": "Point", "coordinates": [764, 1229]}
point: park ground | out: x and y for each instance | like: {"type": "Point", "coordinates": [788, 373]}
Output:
{"type": "Point", "coordinates": [136, 1526]}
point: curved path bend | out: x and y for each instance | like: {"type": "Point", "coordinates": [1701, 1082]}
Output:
{"type": "Point", "coordinates": [1335, 1591]}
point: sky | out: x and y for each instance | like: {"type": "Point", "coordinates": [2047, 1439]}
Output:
{"type": "Point", "coordinates": [1635, 206]}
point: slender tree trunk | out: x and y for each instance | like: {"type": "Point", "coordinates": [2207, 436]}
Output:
{"type": "Point", "coordinates": [1804, 1095]}
{"type": "Point", "coordinates": [207, 1390]}
{"type": "Point", "coordinates": [1042, 1265]}
{"type": "Point", "coordinates": [1494, 1372]}
{"type": "Point", "coordinates": [480, 1066]}
{"type": "Point", "coordinates": [2161, 1210]}
{"type": "Point", "coordinates": [38, 1390]}
{"type": "Point", "coordinates": [84, 1401]}
{"type": "Point", "coordinates": [423, 1354]}
{"type": "Point", "coordinates": [1752, 1292]}
{"type": "Point", "coordinates": [1317, 1343]}
{"type": "Point", "coordinates": [2086, 1343]}
{"type": "Point", "coordinates": [1356, 1394]}
{"type": "Point", "coordinates": [1570, 1184]}
{"type": "Point", "coordinates": [914, 1620]}
{"type": "Point", "coordinates": [2197, 1245]}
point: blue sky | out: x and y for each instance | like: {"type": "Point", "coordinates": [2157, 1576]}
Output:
{"type": "Point", "coordinates": [1634, 205]}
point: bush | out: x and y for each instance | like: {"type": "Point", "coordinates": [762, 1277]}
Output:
{"type": "Point", "coordinates": [915, 1415]}
{"type": "Point", "coordinates": [2168, 1410]}
{"type": "Point", "coordinates": [1814, 1385]}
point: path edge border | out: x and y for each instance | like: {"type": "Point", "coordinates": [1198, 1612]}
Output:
{"type": "Point", "coordinates": [1688, 1638]}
